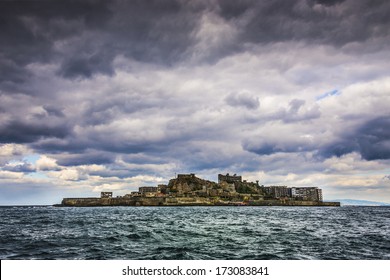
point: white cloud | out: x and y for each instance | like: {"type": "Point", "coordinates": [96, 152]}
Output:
{"type": "Point", "coordinates": [10, 175]}
{"type": "Point", "coordinates": [9, 150]}
{"type": "Point", "coordinates": [45, 163]}
{"type": "Point", "coordinates": [68, 174]}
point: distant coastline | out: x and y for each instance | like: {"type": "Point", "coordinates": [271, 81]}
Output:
{"type": "Point", "coordinates": [189, 190]}
{"type": "Point", "coordinates": [358, 202]}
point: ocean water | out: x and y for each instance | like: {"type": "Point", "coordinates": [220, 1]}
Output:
{"type": "Point", "coordinates": [271, 233]}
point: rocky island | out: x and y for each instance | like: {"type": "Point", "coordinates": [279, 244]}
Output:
{"type": "Point", "coordinates": [189, 190]}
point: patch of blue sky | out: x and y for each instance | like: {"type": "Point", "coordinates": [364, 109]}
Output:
{"type": "Point", "coordinates": [32, 159]}
{"type": "Point", "coordinates": [334, 92]}
{"type": "Point", "coordinates": [37, 175]}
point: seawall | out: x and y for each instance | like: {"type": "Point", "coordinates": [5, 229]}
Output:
{"type": "Point", "coordinates": [293, 203]}
{"type": "Point", "coordinates": [181, 201]}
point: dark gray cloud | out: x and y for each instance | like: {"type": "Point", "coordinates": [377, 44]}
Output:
{"type": "Point", "coordinates": [272, 146]}
{"type": "Point", "coordinates": [12, 75]}
{"type": "Point", "coordinates": [86, 65]}
{"type": "Point", "coordinates": [296, 111]}
{"type": "Point", "coordinates": [329, 2]}
{"type": "Point", "coordinates": [330, 22]}
{"type": "Point", "coordinates": [30, 29]}
{"type": "Point", "coordinates": [26, 121]}
{"type": "Point", "coordinates": [295, 105]}
{"type": "Point", "coordinates": [85, 36]}
{"type": "Point", "coordinates": [243, 100]}
{"type": "Point", "coordinates": [55, 145]}
{"type": "Point", "coordinates": [24, 167]}
{"type": "Point", "coordinates": [339, 148]}
{"type": "Point", "coordinates": [371, 140]}
{"type": "Point", "coordinates": [374, 139]}
{"type": "Point", "coordinates": [293, 113]}
{"type": "Point", "coordinates": [25, 132]}
{"type": "Point", "coordinates": [54, 111]}
{"type": "Point", "coordinates": [85, 158]}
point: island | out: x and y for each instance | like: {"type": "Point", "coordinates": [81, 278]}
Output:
{"type": "Point", "coordinates": [189, 190]}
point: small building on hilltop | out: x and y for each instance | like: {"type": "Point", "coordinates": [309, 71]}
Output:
{"type": "Point", "coordinates": [229, 178]}
{"type": "Point", "coordinates": [106, 194]}
{"type": "Point", "coordinates": [186, 176]}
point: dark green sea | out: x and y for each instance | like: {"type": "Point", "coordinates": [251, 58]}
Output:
{"type": "Point", "coordinates": [270, 233]}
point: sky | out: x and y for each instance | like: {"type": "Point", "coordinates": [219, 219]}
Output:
{"type": "Point", "coordinates": [113, 95]}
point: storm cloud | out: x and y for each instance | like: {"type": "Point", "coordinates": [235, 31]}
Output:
{"type": "Point", "coordinates": [117, 94]}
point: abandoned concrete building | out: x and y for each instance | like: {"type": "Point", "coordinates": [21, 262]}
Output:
{"type": "Point", "coordinates": [106, 194]}
{"type": "Point", "coordinates": [229, 178]}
